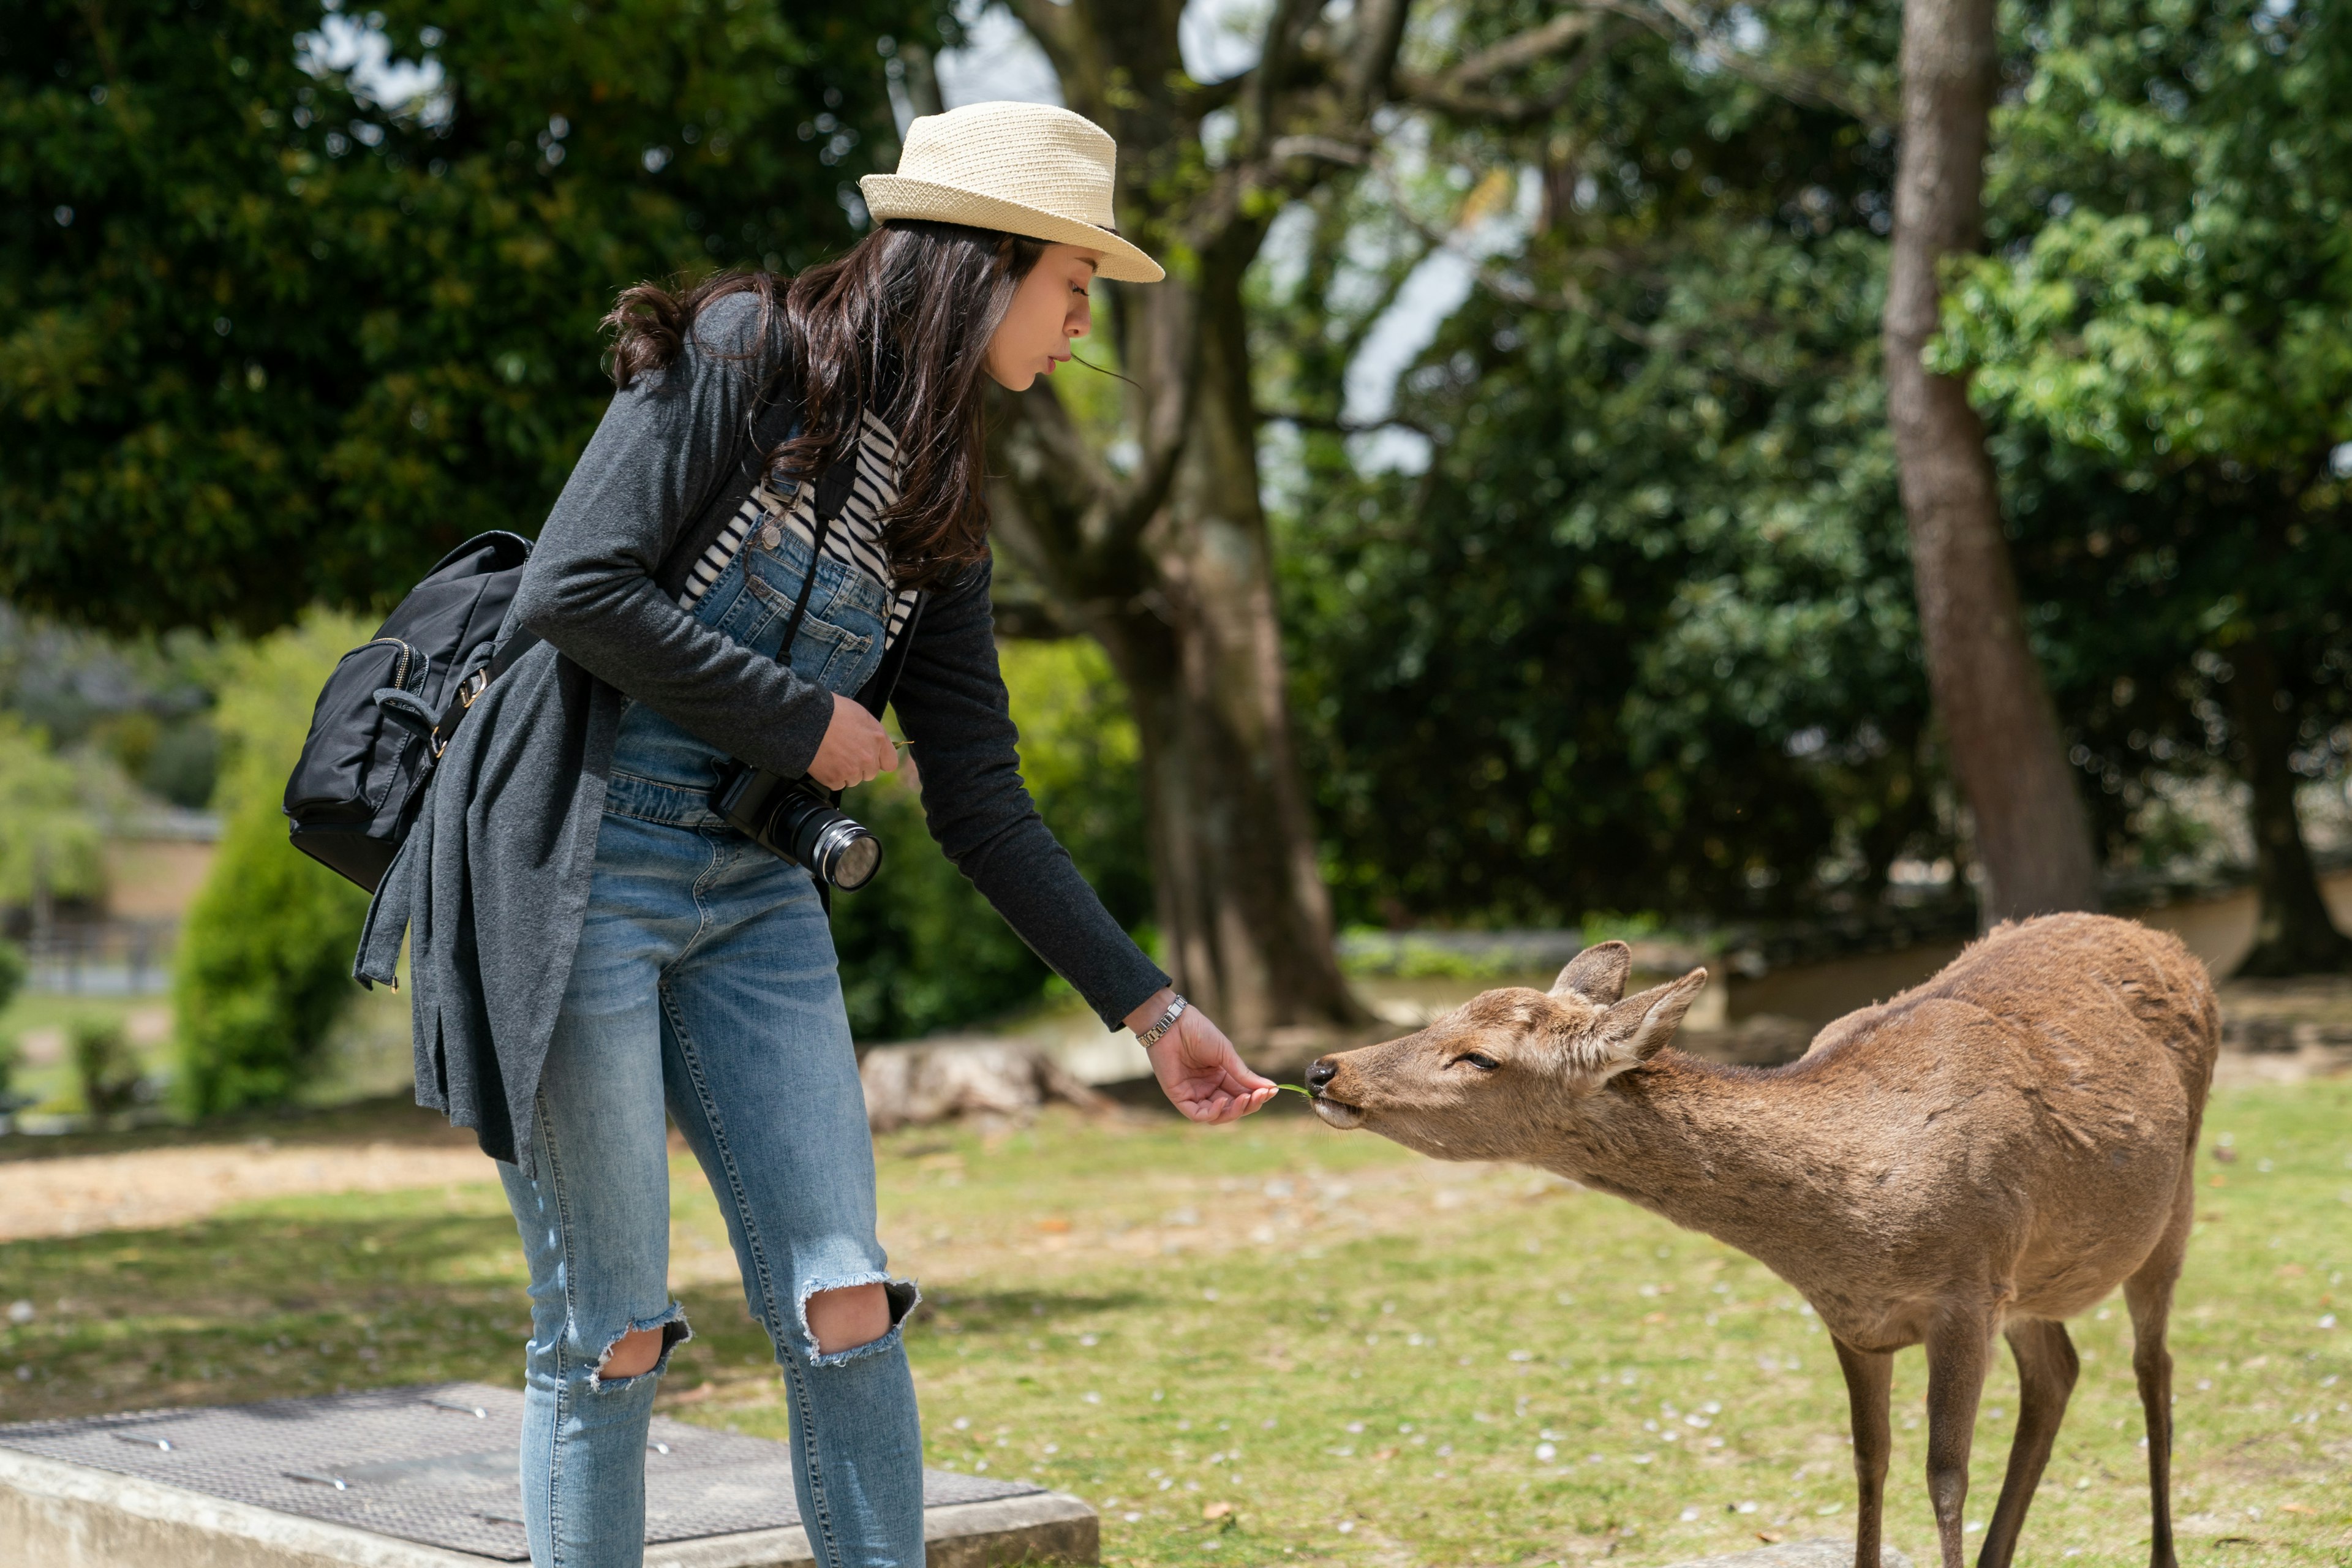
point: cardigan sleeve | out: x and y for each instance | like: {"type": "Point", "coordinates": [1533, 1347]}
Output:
{"type": "Point", "coordinates": [952, 705]}
{"type": "Point", "coordinates": [665, 453]}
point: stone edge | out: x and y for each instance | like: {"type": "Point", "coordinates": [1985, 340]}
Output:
{"type": "Point", "coordinates": [60, 1515]}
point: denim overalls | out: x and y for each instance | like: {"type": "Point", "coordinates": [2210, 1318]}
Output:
{"type": "Point", "coordinates": [705, 983]}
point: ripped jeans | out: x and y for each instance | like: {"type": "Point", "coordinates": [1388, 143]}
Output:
{"type": "Point", "coordinates": [703, 982]}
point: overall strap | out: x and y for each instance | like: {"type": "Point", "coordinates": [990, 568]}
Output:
{"type": "Point", "coordinates": [808, 585]}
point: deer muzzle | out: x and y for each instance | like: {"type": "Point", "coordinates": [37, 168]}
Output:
{"type": "Point", "coordinates": [1336, 1113]}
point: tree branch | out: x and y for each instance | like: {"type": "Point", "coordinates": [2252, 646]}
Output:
{"type": "Point", "coordinates": [1570, 296]}
{"type": "Point", "coordinates": [1678, 20]}
{"type": "Point", "coordinates": [1284, 31]}
{"type": "Point", "coordinates": [1374, 66]}
{"type": "Point", "coordinates": [1555, 37]}
{"type": "Point", "coordinates": [1341, 426]}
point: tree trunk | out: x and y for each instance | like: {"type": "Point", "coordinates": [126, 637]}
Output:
{"type": "Point", "coordinates": [1188, 616]}
{"type": "Point", "coordinates": [1241, 901]}
{"type": "Point", "coordinates": [2293, 933]}
{"type": "Point", "coordinates": [2032, 835]}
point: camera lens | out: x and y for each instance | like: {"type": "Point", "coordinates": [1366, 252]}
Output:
{"type": "Point", "coordinates": [857, 854]}
{"type": "Point", "coordinates": [832, 845]}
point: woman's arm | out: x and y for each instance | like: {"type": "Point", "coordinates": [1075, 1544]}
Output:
{"type": "Point", "coordinates": [951, 701]}
{"type": "Point", "coordinates": [669, 449]}
{"type": "Point", "coordinates": [951, 704]}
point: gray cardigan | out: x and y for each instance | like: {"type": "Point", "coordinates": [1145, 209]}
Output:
{"type": "Point", "coordinates": [492, 884]}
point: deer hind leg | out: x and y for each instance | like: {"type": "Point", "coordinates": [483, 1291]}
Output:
{"type": "Point", "coordinates": [1868, 1377]}
{"type": "Point", "coordinates": [2148, 1294]}
{"type": "Point", "coordinates": [2046, 1368]}
{"type": "Point", "coordinates": [1958, 1350]}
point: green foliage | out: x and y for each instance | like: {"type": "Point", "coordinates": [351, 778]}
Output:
{"type": "Point", "coordinates": [264, 964]}
{"type": "Point", "coordinates": [104, 1068]}
{"type": "Point", "coordinates": [921, 949]}
{"type": "Point", "coordinates": [2180, 177]}
{"type": "Point", "coordinates": [2164, 348]}
{"type": "Point", "coordinates": [51, 839]}
{"type": "Point", "coordinates": [1641, 636]}
{"type": "Point", "coordinates": [265, 341]}
{"type": "Point", "coordinates": [13, 970]}
{"type": "Point", "coordinates": [140, 701]}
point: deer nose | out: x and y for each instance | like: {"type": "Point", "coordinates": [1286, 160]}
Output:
{"type": "Point", "coordinates": [1319, 1076]}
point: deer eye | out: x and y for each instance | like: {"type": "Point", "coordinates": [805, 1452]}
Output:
{"type": "Point", "coordinates": [1478, 1059]}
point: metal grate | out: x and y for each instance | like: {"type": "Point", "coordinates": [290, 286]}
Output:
{"type": "Point", "coordinates": [434, 1464]}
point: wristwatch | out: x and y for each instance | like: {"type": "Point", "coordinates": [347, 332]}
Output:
{"type": "Point", "coordinates": [1150, 1036]}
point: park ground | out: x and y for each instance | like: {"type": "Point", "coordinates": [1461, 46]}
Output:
{"type": "Point", "coordinates": [1261, 1344]}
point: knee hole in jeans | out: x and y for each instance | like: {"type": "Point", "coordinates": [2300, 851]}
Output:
{"type": "Point", "coordinates": [847, 1317]}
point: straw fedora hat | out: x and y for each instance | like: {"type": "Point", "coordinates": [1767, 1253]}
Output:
{"type": "Point", "coordinates": [1029, 169]}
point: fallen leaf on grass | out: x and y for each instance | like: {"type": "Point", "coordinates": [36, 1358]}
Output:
{"type": "Point", "coordinates": [1216, 1510]}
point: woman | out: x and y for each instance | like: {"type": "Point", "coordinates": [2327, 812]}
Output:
{"type": "Point", "coordinates": [592, 943]}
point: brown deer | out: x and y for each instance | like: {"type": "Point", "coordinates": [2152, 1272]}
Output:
{"type": "Point", "coordinates": [1992, 1152]}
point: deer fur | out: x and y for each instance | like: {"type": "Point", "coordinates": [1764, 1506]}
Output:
{"type": "Point", "coordinates": [1990, 1153]}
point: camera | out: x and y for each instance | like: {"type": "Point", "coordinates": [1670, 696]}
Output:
{"type": "Point", "coordinates": [797, 819]}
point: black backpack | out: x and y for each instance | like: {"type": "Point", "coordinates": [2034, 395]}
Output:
{"type": "Point", "coordinates": [388, 712]}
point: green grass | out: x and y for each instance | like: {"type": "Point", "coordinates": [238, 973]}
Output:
{"type": "Point", "coordinates": [1358, 1352]}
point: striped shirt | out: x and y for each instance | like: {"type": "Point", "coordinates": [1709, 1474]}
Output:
{"type": "Point", "coordinates": [855, 539]}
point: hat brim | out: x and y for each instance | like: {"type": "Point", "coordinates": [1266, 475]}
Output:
{"type": "Point", "coordinates": [891, 196]}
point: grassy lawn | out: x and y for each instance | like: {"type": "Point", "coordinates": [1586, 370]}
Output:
{"type": "Point", "coordinates": [1275, 1342]}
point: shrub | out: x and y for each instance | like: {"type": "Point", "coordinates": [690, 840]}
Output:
{"type": "Point", "coordinates": [13, 970]}
{"type": "Point", "coordinates": [12, 977]}
{"type": "Point", "coordinates": [50, 840]}
{"type": "Point", "coordinates": [264, 965]}
{"type": "Point", "coordinates": [104, 1066]}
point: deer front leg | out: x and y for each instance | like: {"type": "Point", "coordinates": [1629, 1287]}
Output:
{"type": "Point", "coordinates": [1958, 1350]}
{"type": "Point", "coordinates": [2046, 1368]}
{"type": "Point", "coordinates": [1868, 1377]}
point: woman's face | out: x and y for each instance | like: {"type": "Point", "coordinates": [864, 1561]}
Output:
{"type": "Point", "coordinates": [1048, 309]}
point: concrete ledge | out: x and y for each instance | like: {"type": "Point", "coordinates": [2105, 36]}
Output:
{"type": "Point", "coordinates": [55, 1515]}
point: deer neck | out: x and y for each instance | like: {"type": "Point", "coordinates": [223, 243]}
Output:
{"type": "Point", "coordinates": [1735, 1153]}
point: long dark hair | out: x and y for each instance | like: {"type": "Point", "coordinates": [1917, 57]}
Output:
{"type": "Point", "coordinates": [899, 324]}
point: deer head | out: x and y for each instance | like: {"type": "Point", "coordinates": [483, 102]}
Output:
{"type": "Point", "coordinates": [1507, 1070]}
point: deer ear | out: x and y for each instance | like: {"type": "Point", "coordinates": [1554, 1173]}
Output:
{"type": "Point", "coordinates": [1638, 1028]}
{"type": "Point", "coordinates": [1597, 975]}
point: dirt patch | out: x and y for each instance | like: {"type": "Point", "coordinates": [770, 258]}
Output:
{"type": "Point", "coordinates": [83, 1192]}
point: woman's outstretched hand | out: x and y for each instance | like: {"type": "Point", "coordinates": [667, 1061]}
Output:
{"type": "Point", "coordinates": [1198, 1068]}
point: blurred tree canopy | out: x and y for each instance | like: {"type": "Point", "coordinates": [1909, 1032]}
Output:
{"type": "Point", "coordinates": [2166, 340]}
{"type": "Point", "coordinates": [1648, 601]}
{"type": "Point", "coordinates": [266, 341]}
{"type": "Point", "coordinates": [1610, 609]}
